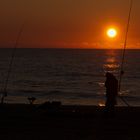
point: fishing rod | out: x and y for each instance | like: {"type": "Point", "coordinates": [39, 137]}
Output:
{"type": "Point", "coordinates": [10, 65]}
{"type": "Point", "coordinates": [123, 54]}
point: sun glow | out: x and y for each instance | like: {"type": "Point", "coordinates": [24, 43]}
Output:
{"type": "Point", "coordinates": [111, 32]}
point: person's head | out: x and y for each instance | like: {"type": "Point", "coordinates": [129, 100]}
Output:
{"type": "Point", "coordinates": [109, 75]}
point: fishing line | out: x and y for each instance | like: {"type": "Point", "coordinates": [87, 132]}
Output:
{"type": "Point", "coordinates": [123, 54]}
{"type": "Point", "coordinates": [4, 94]}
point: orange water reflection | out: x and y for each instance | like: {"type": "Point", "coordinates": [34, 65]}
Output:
{"type": "Point", "coordinates": [111, 63]}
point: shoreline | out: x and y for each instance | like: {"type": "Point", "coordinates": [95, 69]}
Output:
{"type": "Point", "coordinates": [24, 121]}
{"type": "Point", "coordinates": [58, 110]}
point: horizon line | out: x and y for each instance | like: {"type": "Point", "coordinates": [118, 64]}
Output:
{"type": "Point", "coordinates": [70, 48]}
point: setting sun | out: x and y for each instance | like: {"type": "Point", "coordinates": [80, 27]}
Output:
{"type": "Point", "coordinates": [112, 32]}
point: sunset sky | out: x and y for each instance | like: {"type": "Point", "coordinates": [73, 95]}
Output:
{"type": "Point", "coordinates": [68, 23]}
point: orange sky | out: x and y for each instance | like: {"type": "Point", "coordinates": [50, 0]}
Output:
{"type": "Point", "coordinates": [68, 23]}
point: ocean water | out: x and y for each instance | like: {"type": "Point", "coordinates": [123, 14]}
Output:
{"type": "Point", "coordinates": [72, 76]}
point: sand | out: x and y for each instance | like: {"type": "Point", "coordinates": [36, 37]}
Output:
{"type": "Point", "coordinates": [40, 122]}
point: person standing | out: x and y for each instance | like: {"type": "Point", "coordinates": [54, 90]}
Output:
{"type": "Point", "coordinates": [111, 85]}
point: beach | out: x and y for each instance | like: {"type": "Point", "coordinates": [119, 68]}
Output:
{"type": "Point", "coordinates": [69, 70]}
{"type": "Point", "coordinates": [39, 122]}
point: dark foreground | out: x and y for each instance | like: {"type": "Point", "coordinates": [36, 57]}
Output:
{"type": "Point", "coordinates": [27, 122]}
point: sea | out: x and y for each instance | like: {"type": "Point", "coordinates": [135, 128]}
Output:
{"type": "Point", "coordinates": [72, 76]}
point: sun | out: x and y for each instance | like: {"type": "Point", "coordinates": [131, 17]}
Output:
{"type": "Point", "coordinates": [111, 32]}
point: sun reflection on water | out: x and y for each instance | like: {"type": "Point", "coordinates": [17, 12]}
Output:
{"type": "Point", "coordinates": [111, 66]}
{"type": "Point", "coordinates": [101, 104]}
{"type": "Point", "coordinates": [111, 63]}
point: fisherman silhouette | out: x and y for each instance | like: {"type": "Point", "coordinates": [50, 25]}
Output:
{"type": "Point", "coordinates": [111, 85]}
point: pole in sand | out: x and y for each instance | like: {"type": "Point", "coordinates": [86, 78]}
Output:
{"type": "Point", "coordinates": [124, 50]}
{"type": "Point", "coordinates": [4, 94]}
